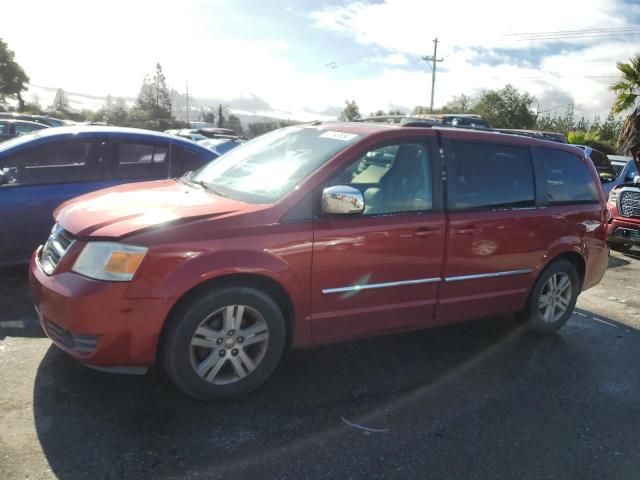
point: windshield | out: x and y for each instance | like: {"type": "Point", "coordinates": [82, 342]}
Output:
{"type": "Point", "coordinates": [265, 169]}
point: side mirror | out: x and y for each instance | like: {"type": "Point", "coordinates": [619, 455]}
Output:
{"type": "Point", "coordinates": [633, 177]}
{"type": "Point", "coordinates": [342, 200]}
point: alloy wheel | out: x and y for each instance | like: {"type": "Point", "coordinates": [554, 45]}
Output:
{"type": "Point", "coordinates": [229, 344]}
{"type": "Point", "coordinates": [555, 297]}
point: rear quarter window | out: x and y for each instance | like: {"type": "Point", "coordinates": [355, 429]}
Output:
{"type": "Point", "coordinates": [565, 177]}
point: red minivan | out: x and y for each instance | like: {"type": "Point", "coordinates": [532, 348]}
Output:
{"type": "Point", "coordinates": [319, 233]}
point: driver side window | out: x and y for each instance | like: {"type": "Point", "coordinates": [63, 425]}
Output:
{"type": "Point", "coordinates": [393, 179]}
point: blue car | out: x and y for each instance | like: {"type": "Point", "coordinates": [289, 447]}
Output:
{"type": "Point", "coordinates": [625, 166]}
{"type": "Point", "coordinates": [41, 170]}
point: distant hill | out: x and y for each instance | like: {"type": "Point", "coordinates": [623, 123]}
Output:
{"type": "Point", "coordinates": [248, 109]}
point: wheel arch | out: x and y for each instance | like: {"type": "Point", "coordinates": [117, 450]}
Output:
{"type": "Point", "coordinates": [261, 282]}
{"type": "Point", "coordinates": [572, 256]}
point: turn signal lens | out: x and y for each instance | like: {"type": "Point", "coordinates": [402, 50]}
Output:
{"type": "Point", "coordinates": [116, 262]}
{"type": "Point", "coordinates": [122, 262]}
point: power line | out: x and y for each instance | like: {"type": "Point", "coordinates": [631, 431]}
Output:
{"type": "Point", "coordinates": [571, 32]}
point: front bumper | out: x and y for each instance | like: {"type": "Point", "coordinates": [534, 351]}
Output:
{"type": "Point", "coordinates": [624, 231]}
{"type": "Point", "coordinates": [94, 322]}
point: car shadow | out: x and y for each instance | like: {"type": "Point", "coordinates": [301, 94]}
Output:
{"type": "Point", "coordinates": [615, 262]}
{"type": "Point", "coordinates": [17, 315]}
{"type": "Point", "coordinates": [434, 401]}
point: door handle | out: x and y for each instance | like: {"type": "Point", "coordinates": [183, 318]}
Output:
{"type": "Point", "coordinates": [426, 232]}
{"type": "Point", "coordinates": [469, 230]}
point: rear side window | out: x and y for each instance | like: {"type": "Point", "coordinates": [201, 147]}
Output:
{"type": "Point", "coordinates": [566, 178]}
{"type": "Point", "coordinates": [489, 176]}
{"type": "Point", "coordinates": [190, 161]}
{"type": "Point", "coordinates": [22, 128]}
{"type": "Point", "coordinates": [58, 162]}
{"type": "Point", "coordinates": [142, 160]}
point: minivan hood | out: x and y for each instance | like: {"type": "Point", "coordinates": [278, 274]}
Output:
{"type": "Point", "coordinates": [125, 209]}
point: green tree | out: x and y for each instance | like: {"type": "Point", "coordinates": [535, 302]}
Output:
{"type": "Point", "coordinates": [221, 119]}
{"type": "Point", "coordinates": [153, 108]}
{"type": "Point", "coordinates": [60, 102]}
{"type": "Point", "coordinates": [459, 104]}
{"type": "Point", "coordinates": [234, 124]}
{"type": "Point", "coordinates": [13, 80]}
{"type": "Point", "coordinates": [351, 111]}
{"type": "Point", "coordinates": [506, 108]}
{"type": "Point", "coordinates": [209, 116]}
{"type": "Point", "coordinates": [627, 91]}
{"type": "Point", "coordinates": [609, 130]}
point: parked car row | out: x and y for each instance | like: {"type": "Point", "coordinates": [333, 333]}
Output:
{"type": "Point", "coordinates": [43, 119]}
{"type": "Point", "coordinates": [314, 234]}
{"type": "Point", "coordinates": [308, 235]}
{"type": "Point", "coordinates": [39, 171]}
{"type": "Point", "coordinates": [10, 128]}
{"type": "Point", "coordinates": [220, 140]}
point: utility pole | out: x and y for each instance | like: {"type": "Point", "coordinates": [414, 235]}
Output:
{"type": "Point", "coordinates": [433, 59]}
{"type": "Point", "coordinates": [188, 124]}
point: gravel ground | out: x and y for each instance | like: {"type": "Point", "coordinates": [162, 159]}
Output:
{"type": "Point", "coordinates": [473, 401]}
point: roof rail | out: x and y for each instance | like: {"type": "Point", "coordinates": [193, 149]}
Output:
{"type": "Point", "coordinates": [408, 121]}
{"type": "Point", "coordinates": [402, 120]}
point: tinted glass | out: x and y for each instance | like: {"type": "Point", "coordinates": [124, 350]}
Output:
{"type": "Point", "coordinates": [189, 161]}
{"type": "Point", "coordinates": [567, 178]}
{"type": "Point", "coordinates": [58, 162]}
{"type": "Point", "coordinates": [393, 179]}
{"type": "Point", "coordinates": [4, 128]}
{"type": "Point", "coordinates": [142, 160]}
{"type": "Point", "coordinates": [22, 128]}
{"type": "Point", "coordinates": [603, 166]}
{"type": "Point", "coordinates": [489, 176]}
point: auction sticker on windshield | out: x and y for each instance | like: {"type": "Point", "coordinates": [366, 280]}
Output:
{"type": "Point", "coordinates": [345, 137]}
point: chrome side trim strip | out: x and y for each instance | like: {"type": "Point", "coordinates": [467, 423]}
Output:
{"type": "Point", "coordinates": [369, 286]}
{"type": "Point", "coordinates": [507, 273]}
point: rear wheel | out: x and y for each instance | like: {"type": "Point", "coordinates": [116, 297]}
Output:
{"type": "Point", "coordinates": [224, 343]}
{"type": "Point", "coordinates": [553, 297]}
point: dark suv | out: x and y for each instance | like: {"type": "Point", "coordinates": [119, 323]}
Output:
{"type": "Point", "coordinates": [314, 234]}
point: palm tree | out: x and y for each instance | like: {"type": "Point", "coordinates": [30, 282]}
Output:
{"type": "Point", "coordinates": [627, 97]}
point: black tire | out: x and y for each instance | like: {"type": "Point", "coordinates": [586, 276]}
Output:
{"type": "Point", "coordinates": [176, 349]}
{"type": "Point", "coordinates": [532, 314]}
{"type": "Point", "coordinates": [620, 247]}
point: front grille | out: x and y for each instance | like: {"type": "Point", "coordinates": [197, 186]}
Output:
{"type": "Point", "coordinates": [54, 249]}
{"type": "Point", "coordinates": [80, 344]}
{"type": "Point", "coordinates": [630, 202]}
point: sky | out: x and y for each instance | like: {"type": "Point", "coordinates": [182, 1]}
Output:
{"type": "Point", "coordinates": [302, 59]}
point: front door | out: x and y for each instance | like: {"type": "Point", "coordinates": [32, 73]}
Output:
{"type": "Point", "coordinates": [380, 271]}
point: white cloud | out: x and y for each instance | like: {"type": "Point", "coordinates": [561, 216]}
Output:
{"type": "Point", "coordinates": [109, 50]}
{"type": "Point", "coordinates": [472, 38]}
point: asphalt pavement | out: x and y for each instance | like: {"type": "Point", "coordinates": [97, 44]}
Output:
{"type": "Point", "coordinates": [479, 400]}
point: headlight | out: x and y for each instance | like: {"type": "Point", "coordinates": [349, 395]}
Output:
{"type": "Point", "coordinates": [613, 196]}
{"type": "Point", "coordinates": [116, 262]}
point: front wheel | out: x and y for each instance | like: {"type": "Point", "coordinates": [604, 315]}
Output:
{"type": "Point", "coordinates": [553, 297]}
{"type": "Point", "coordinates": [224, 343]}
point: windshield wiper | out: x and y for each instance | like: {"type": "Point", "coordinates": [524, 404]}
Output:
{"type": "Point", "coordinates": [187, 177]}
{"type": "Point", "coordinates": [208, 186]}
